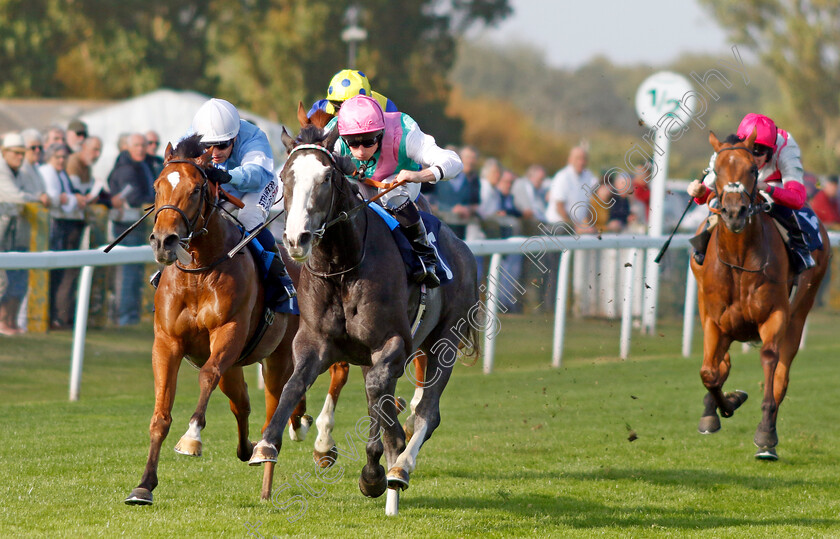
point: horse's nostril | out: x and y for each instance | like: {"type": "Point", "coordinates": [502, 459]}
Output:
{"type": "Point", "coordinates": [170, 241]}
{"type": "Point", "coordinates": [305, 238]}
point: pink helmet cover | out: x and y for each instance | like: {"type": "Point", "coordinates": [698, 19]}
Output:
{"type": "Point", "coordinates": [765, 129]}
{"type": "Point", "coordinates": [360, 114]}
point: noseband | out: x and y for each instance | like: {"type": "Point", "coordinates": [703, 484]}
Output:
{"type": "Point", "coordinates": [191, 232]}
{"type": "Point", "coordinates": [737, 187]}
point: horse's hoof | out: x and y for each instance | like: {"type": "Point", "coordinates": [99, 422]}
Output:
{"type": "Point", "coordinates": [375, 487]}
{"type": "Point", "coordinates": [766, 439]}
{"type": "Point", "coordinates": [139, 496]}
{"type": "Point", "coordinates": [263, 452]}
{"type": "Point", "coordinates": [325, 460]}
{"type": "Point", "coordinates": [245, 455]}
{"type": "Point", "coordinates": [299, 435]}
{"type": "Point", "coordinates": [736, 398]}
{"type": "Point", "coordinates": [768, 453]}
{"type": "Point", "coordinates": [188, 446]}
{"type": "Point", "coordinates": [397, 478]}
{"type": "Point", "coordinates": [709, 424]}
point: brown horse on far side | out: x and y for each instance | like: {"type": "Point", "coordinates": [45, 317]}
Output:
{"type": "Point", "coordinates": [744, 293]}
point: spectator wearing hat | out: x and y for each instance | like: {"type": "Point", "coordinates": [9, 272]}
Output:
{"type": "Point", "coordinates": [77, 132]}
{"type": "Point", "coordinates": [66, 229]}
{"type": "Point", "coordinates": [131, 183]}
{"type": "Point", "coordinates": [15, 189]}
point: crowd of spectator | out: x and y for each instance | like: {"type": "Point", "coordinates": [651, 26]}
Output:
{"type": "Point", "coordinates": [486, 200]}
{"type": "Point", "coordinates": [53, 170]}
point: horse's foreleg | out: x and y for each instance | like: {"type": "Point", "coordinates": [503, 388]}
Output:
{"type": "Point", "coordinates": [234, 387]}
{"type": "Point", "coordinates": [166, 358]}
{"type": "Point", "coordinates": [208, 378]}
{"type": "Point", "coordinates": [325, 452]}
{"type": "Point", "coordinates": [307, 368]}
{"type": "Point", "coordinates": [771, 332]}
{"type": "Point", "coordinates": [714, 372]}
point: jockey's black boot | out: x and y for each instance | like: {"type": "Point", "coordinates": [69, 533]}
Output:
{"type": "Point", "coordinates": [414, 230]}
{"type": "Point", "coordinates": [700, 242]}
{"type": "Point", "coordinates": [154, 280]}
{"type": "Point", "coordinates": [277, 270]}
{"type": "Point", "coordinates": [800, 254]}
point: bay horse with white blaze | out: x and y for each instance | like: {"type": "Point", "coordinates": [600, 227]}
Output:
{"type": "Point", "coordinates": [209, 308]}
{"type": "Point", "coordinates": [356, 305]}
{"type": "Point", "coordinates": [744, 290]}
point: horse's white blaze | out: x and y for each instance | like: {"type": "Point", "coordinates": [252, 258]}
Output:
{"type": "Point", "coordinates": [174, 178]}
{"type": "Point", "coordinates": [408, 458]}
{"type": "Point", "coordinates": [325, 424]}
{"type": "Point", "coordinates": [308, 171]}
{"type": "Point", "coordinates": [194, 431]}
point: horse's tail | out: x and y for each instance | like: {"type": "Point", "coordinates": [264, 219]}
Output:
{"type": "Point", "coordinates": [471, 350]}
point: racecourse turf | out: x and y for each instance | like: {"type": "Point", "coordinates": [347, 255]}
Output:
{"type": "Point", "coordinates": [599, 447]}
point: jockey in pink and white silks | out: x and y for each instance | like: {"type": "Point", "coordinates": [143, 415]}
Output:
{"type": "Point", "coordinates": [780, 172]}
{"type": "Point", "coordinates": [390, 147]}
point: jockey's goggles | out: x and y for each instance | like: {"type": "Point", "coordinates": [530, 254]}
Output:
{"type": "Point", "coordinates": [221, 145]}
{"type": "Point", "coordinates": [367, 142]}
{"type": "Point", "coordinates": [760, 149]}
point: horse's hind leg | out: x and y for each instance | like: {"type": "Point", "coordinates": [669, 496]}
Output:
{"type": "Point", "coordinates": [325, 452]}
{"type": "Point", "coordinates": [166, 358]}
{"type": "Point", "coordinates": [771, 333]}
{"type": "Point", "coordinates": [420, 362]}
{"type": "Point", "coordinates": [234, 387]}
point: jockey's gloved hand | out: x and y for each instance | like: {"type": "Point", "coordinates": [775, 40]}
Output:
{"type": "Point", "coordinates": [218, 176]}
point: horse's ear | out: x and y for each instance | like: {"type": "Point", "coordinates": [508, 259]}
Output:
{"type": "Point", "coordinates": [287, 140]}
{"type": "Point", "coordinates": [167, 153]}
{"type": "Point", "coordinates": [301, 115]}
{"type": "Point", "coordinates": [332, 136]}
{"type": "Point", "coordinates": [751, 139]}
{"type": "Point", "coordinates": [713, 140]}
{"type": "Point", "coordinates": [205, 158]}
{"type": "Point", "coordinates": [345, 165]}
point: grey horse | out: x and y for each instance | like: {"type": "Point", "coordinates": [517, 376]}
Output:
{"type": "Point", "coordinates": [357, 305]}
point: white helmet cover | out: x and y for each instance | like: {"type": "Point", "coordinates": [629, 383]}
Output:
{"type": "Point", "coordinates": [216, 121]}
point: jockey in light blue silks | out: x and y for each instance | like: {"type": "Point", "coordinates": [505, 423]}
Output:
{"type": "Point", "coordinates": [241, 150]}
{"type": "Point", "coordinates": [390, 147]}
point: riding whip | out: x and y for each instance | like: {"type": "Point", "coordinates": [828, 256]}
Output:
{"type": "Point", "coordinates": [113, 244]}
{"type": "Point", "coordinates": [668, 241]}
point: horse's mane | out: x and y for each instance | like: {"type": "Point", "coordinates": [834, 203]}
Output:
{"type": "Point", "coordinates": [311, 134]}
{"type": "Point", "coordinates": [733, 139]}
{"type": "Point", "coordinates": [189, 148]}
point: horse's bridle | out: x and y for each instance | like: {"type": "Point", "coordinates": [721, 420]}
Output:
{"type": "Point", "coordinates": [752, 207]}
{"type": "Point", "coordinates": [191, 223]}
{"type": "Point", "coordinates": [342, 215]}
{"type": "Point", "coordinates": [737, 187]}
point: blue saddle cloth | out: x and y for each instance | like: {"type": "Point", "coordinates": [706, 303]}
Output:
{"type": "Point", "coordinates": [410, 260]}
{"type": "Point", "coordinates": [263, 259]}
{"type": "Point", "coordinates": [810, 224]}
